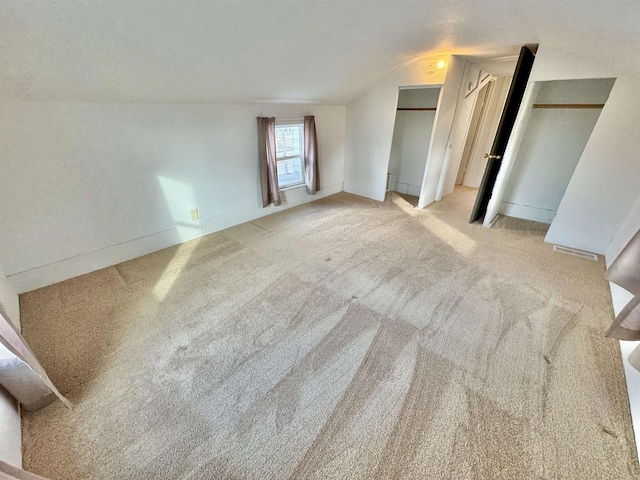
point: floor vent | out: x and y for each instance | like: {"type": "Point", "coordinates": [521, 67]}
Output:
{"type": "Point", "coordinates": [575, 253]}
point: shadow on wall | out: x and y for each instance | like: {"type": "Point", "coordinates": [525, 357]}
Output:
{"type": "Point", "coordinates": [98, 309]}
{"type": "Point", "coordinates": [180, 198]}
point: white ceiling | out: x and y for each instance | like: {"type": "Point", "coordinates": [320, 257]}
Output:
{"type": "Point", "coordinates": [274, 50]}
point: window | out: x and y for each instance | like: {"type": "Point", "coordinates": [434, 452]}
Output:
{"type": "Point", "coordinates": [289, 152]}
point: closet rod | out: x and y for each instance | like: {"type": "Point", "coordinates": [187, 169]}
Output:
{"type": "Point", "coordinates": [568, 105]}
{"type": "Point", "coordinates": [431, 109]}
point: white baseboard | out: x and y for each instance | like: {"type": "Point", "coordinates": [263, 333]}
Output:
{"type": "Point", "coordinates": [405, 188]}
{"type": "Point", "coordinates": [399, 187]}
{"type": "Point", "coordinates": [65, 269]}
{"type": "Point", "coordinates": [526, 212]}
{"type": "Point", "coordinates": [414, 190]}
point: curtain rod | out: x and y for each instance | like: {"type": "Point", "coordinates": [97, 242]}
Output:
{"type": "Point", "coordinates": [568, 105]}
{"type": "Point", "coordinates": [431, 109]}
{"type": "Point", "coordinates": [289, 120]}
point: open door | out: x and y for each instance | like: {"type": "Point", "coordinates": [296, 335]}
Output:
{"type": "Point", "coordinates": [507, 120]}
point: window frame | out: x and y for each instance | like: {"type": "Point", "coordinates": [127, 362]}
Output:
{"type": "Point", "coordinates": [292, 123]}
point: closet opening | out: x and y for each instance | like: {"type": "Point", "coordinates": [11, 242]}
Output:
{"type": "Point", "coordinates": [558, 124]}
{"type": "Point", "coordinates": [483, 99]}
{"type": "Point", "coordinates": [412, 135]}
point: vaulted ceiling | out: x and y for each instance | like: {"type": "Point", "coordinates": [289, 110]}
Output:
{"type": "Point", "coordinates": [274, 50]}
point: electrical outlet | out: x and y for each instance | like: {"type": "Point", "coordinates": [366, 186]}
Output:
{"type": "Point", "coordinates": [194, 214]}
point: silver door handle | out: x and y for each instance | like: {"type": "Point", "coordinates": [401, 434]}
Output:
{"type": "Point", "coordinates": [497, 157]}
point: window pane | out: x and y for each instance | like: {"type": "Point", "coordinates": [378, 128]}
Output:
{"type": "Point", "coordinates": [290, 172]}
{"type": "Point", "coordinates": [288, 140]}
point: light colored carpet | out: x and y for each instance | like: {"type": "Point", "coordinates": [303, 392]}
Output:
{"type": "Point", "coordinates": [517, 225]}
{"type": "Point", "coordinates": [341, 339]}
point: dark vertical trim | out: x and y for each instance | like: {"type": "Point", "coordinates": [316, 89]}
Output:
{"type": "Point", "coordinates": [503, 133]}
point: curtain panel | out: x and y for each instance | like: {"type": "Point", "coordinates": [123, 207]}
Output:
{"type": "Point", "coordinates": [9, 472]}
{"type": "Point", "coordinates": [268, 161]}
{"type": "Point", "coordinates": [625, 272]}
{"type": "Point", "coordinates": [21, 373]}
{"type": "Point", "coordinates": [311, 169]}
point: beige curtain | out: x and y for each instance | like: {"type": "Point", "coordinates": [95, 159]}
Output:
{"type": "Point", "coordinates": [311, 170]}
{"type": "Point", "coordinates": [268, 162]}
{"type": "Point", "coordinates": [21, 373]}
{"type": "Point", "coordinates": [625, 269]}
{"type": "Point", "coordinates": [7, 472]}
{"type": "Point", "coordinates": [625, 272]}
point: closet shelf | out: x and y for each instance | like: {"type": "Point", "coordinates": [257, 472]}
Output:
{"type": "Point", "coordinates": [568, 105]}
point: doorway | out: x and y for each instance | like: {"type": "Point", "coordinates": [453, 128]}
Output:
{"type": "Point", "coordinates": [475, 129]}
{"type": "Point", "coordinates": [482, 100]}
{"type": "Point", "coordinates": [480, 115]}
{"type": "Point", "coordinates": [413, 129]}
{"type": "Point", "coordinates": [508, 118]}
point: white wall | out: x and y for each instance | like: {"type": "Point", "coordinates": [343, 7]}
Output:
{"type": "Point", "coordinates": [411, 139]}
{"type": "Point", "coordinates": [369, 125]}
{"type": "Point", "coordinates": [551, 148]}
{"type": "Point", "coordinates": [600, 208]}
{"type": "Point", "coordinates": [606, 181]}
{"type": "Point", "coordinates": [9, 301]}
{"type": "Point", "coordinates": [409, 150]}
{"type": "Point", "coordinates": [607, 177]}
{"type": "Point", "coordinates": [87, 185]}
{"type": "Point", "coordinates": [10, 431]}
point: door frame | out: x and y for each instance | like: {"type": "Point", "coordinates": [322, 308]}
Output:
{"type": "Point", "coordinates": [505, 128]}
{"type": "Point", "coordinates": [433, 128]}
{"type": "Point", "coordinates": [491, 83]}
{"type": "Point", "coordinates": [423, 192]}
